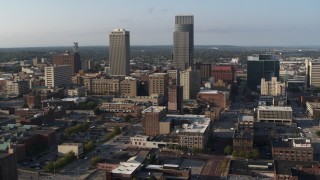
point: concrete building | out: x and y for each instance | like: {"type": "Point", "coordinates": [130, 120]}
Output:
{"type": "Point", "coordinates": [313, 109]}
{"type": "Point", "coordinates": [296, 170]}
{"type": "Point", "coordinates": [129, 87]}
{"type": "Point", "coordinates": [154, 99]}
{"type": "Point", "coordinates": [183, 45]}
{"type": "Point", "coordinates": [8, 166]}
{"type": "Point", "coordinates": [158, 84]}
{"type": "Point", "coordinates": [119, 52]}
{"type": "Point", "coordinates": [15, 87]}
{"type": "Point", "coordinates": [64, 148]}
{"type": "Point", "coordinates": [225, 73]}
{"type": "Point", "coordinates": [70, 59]}
{"type": "Point", "coordinates": [102, 86]}
{"type": "Point", "coordinates": [58, 76]}
{"type": "Point", "coordinates": [121, 108]}
{"type": "Point", "coordinates": [175, 97]}
{"type": "Point", "coordinates": [312, 74]}
{"type": "Point", "coordinates": [273, 87]}
{"type": "Point", "coordinates": [77, 92]}
{"type": "Point", "coordinates": [190, 81]}
{"type": "Point", "coordinates": [275, 114]}
{"type": "Point", "coordinates": [151, 118]}
{"type": "Point", "coordinates": [296, 149]}
{"type": "Point", "coordinates": [174, 77]}
{"type": "Point", "coordinates": [261, 66]}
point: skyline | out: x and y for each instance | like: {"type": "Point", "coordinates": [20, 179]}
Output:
{"type": "Point", "coordinates": [36, 23]}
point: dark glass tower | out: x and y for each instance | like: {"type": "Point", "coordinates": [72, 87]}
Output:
{"type": "Point", "coordinates": [261, 66]}
{"type": "Point", "coordinates": [183, 46]}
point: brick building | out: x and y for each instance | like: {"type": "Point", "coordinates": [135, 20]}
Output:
{"type": "Point", "coordinates": [151, 118]}
{"type": "Point", "coordinates": [297, 149]}
{"type": "Point", "coordinates": [223, 72]}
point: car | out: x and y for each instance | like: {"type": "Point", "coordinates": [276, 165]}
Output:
{"type": "Point", "coordinates": [85, 157]}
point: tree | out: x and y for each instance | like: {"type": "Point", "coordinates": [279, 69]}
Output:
{"type": "Point", "coordinates": [227, 150]}
{"type": "Point", "coordinates": [96, 111]}
{"type": "Point", "coordinates": [318, 133]}
{"type": "Point", "coordinates": [235, 153]}
{"type": "Point", "coordinates": [254, 154]}
{"type": "Point", "coordinates": [95, 160]}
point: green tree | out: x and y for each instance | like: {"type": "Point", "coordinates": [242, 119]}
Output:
{"type": "Point", "coordinates": [318, 133]}
{"type": "Point", "coordinates": [95, 160]}
{"type": "Point", "coordinates": [235, 154]}
{"type": "Point", "coordinates": [89, 146]}
{"type": "Point", "coordinates": [254, 154]}
{"type": "Point", "coordinates": [227, 150]}
{"type": "Point", "coordinates": [96, 111]}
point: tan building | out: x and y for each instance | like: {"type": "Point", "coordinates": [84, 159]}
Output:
{"type": "Point", "coordinates": [121, 108]}
{"type": "Point", "coordinates": [70, 59]}
{"type": "Point", "coordinates": [58, 76]}
{"type": "Point", "coordinates": [151, 118]}
{"type": "Point", "coordinates": [129, 87]}
{"type": "Point", "coordinates": [312, 74]}
{"type": "Point", "coordinates": [102, 86]}
{"type": "Point", "coordinates": [158, 84]}
{"type": "Point", "coordinates": [64, 148]}
{"type": "Point", "coordinates": [174, 76]}
{"type": "Point", "coordinates": [273, 87]}
{"type": "Point", "coordinates": [190, 80]}
{"type": "Point", "coordinates": [313, 109]}
{"type": "Point", "coordinates": [15, 87]}
{"type": "Point", "coordinates": [214, 98]}
{"type": "Point", "coordinates": [175, 97]}
{"type": "Point", "coordinates": [155, 99]}
{"type": "Point", "coordinates": [77, 92]}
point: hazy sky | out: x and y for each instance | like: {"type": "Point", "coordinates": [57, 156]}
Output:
{"type": "Point", "coordinates": [27, 23]}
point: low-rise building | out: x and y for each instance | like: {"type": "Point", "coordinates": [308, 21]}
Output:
{"type": "Point", "coordinates": [296, 149]}
{"type": "Point", "coordinates": [155, 99]}
{"type": "Point", "coordinates": [243, 140]}
{"type": "Point", "coordinates": [214, 98]}
{"type": "Point", "coordinates": [121, 108]}
{"type": "Point", "coordinates": [296, 170]}
{"type": "Point", "coordinates": [313, 109]}
{"type": "Point", "coordinates": [77, 92]}
{"type": "Point", "coordinates": [65, 148]}
{"type": "Point", "coordinates": [275, 114]}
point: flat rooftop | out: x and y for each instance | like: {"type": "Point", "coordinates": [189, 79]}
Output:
{"type": "Point", "coordinates": [126, 168]}
{"type": "Point", "coordinates": [243, 133]}
{"type": "Point", "coordinates": [196, 123]}
{"type": "Point", "coordinates": [274, 108]}
{"type": "Point", "coordinates": [154, 109]}
{"type": "Point", "coordinates": [209, 91]}
{"type": "Point", "coordinates": [246, 118]}
{"type": "Point", "coordinates": [286, 167]}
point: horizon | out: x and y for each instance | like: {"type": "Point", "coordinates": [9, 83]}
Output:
{"type": "Point", "coordinates": [247, 23]}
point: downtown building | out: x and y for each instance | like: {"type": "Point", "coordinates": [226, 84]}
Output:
{"type": "Point", "coordinates": [151, 118]}
{"type": "Point", "coordinates": [183, 42]}
{"type": "Point", "coordinates": [119, 52]}
{"type": "Point", "coordinates": [158, 84]}
{"type": "Point", "coordinates": [68, 58]}
{"type": "Point", "coordinates": [226, 73]}
{"type": "Point", "coordinates": [190, 81]}
{"type": "Point", "coordinates": [312, 74]}
{"type": "Point", "coordinates": [273, 87]}
{"type": "Point", "coordinates": [205, 70]}
{"type": "Point", "coordinates": [261, 66]}
{"type": "Point", "coordinates": [58, 76]}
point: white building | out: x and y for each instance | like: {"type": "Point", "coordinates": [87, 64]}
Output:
{"type": "Point", "coordinates": [58, 76]}
{"type": "Point", "coordinates": [65, 148]}
{"type": "Point", "coordinates": [312, 73]}
{"type": "Point", "coordinates": [190, 80]}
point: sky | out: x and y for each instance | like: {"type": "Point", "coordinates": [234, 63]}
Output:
{"type": "Point", "coordinates": [37, 23]}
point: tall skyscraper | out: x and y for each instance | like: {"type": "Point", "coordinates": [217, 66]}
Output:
{"type": "Point", "coordinates": [261, 66]}
{"type": "Point", "coordinates": [68, 58]}
{"type": "Point", "coordinates": [312, 74]}
{"type": "Point", "coordinates": [183, 46]}
{"type": "Point", "coordinates": [58, 76]}
{"type": "Point", "coordinates": [119, 52]}
{"type": "Point", "coordinates": [190, 80]}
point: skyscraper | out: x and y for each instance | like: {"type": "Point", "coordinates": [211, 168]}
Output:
{"type": "Point", "coordinates": [261, 66]}
{"type": "Point", "coordinates": [190, 80]}
{"type": "Point", "coordinates": [119, 52]}
{"type": "Point", "coordinates": [58, 76]}
{"type": "Point", "coordinates": [312, 74]}
{"type": "Point", "coordinates": [183, 42]}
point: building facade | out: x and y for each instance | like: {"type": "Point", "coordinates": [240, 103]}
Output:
{"type": "Point", "coordinates": [273, 87]}
{"type": "Point", "coordinates": [225, 73]}
{"type": "Point", "coordinates": [205, 70]}
{"type": "Point", "coordinates": [175, 97]}
{"type": "Point", "coordinates": [312, 74]}
{"type": "Point", "coordinates": [158, 84]}
{"type": "Point", "coordinates": [296, 149]}
{"type": "Point", "coordinates": [190, 81]}
{"type": "Point", "coordinates": [102, 86]}
{"type": "Point", "coordinates": [151, 118]}
{"type": "Point", "coordinates": [119, 52]}
{"type": "Point", "coordinates": [275, 114]}
{"type": "Point", "coordinates": [58, 76]}
{"type": "Point", "coordinates": [183, 45]}
{"type": "Point", "coordinates": [65, 148]}
{"type": "Point", "coordinates": [70, 59]}
{"type": "Point", "coordinates": [129, 87]}
{"type": "Point", "coordinates": [261, 66]}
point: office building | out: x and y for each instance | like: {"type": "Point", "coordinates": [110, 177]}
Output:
{"type": "Point", "coordinates": [214, 98]}
{"type": "Point", "coordinates": [296, 149]}
{"type": "Point", "coordinates": [68, 58]}
{"type": "Point", "coordinates": [174, 77]}
{"type": "Point", "coordinates": [312, 74]}
{"type": "Point", "coordinates": [261, 66]}
{"type": "Point", "coordinates": [205, 70]}
{"type": "Point", "coordinates": [102, 86]}
{"type": "Point", "coordinates": [190, 81]}
{"type": "Point", "coordinates": [158, 84]}
{"type": "Point", "coordinates": [273, 87]}
{"type": "Point", "coordinates": [183, 45]}
{"type": "Point", "coordinates": [275, 114]}
{"type": "Point", "coordinates": [58, 76]}
{"type": "Point", "coordinates": [129, 87]}
{"type": "Point", "coordinates": [151, 118]}
{"type": "Point", "coordinates": [175, 97]}
{"type": "Point", "coordinates": [65, 148]}
{"type": "Point", "coordinates": [225, 73]}
{"type": "Point", "coordinates": [119, 52]}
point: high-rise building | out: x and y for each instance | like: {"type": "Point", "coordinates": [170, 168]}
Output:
{"type": "Point", "coordinates": [273, 87]}
{"type": "Point", "coordinates": [158, 84]}
{"type": "Point", "coordinates": [174, 77]}
{"type": "Point", "coordinates": [205, 70]}
{"type": "Point", "coordinates": [102, 86]}
{"type": "Point", "coordinates": [175, 97]}
{"type": "Point", "coordinates": [190, 80]}
{"type": "Point", "coordinates": [119, 52]}
{"type": "Point", "coordinates": [67, 58]}
{"type": "Point", "coordinates": [261, 66]}
{"type": "Point", "coordinates": [58, 76]}
{"type": "Point", "coordinates": [151, 118]}
{"type": "Point", "coordinates": [312, 74]}
{"type": "Point", "coordinates": [8, 166]}
{"type": "Point", "coordinates": [183, 45]}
